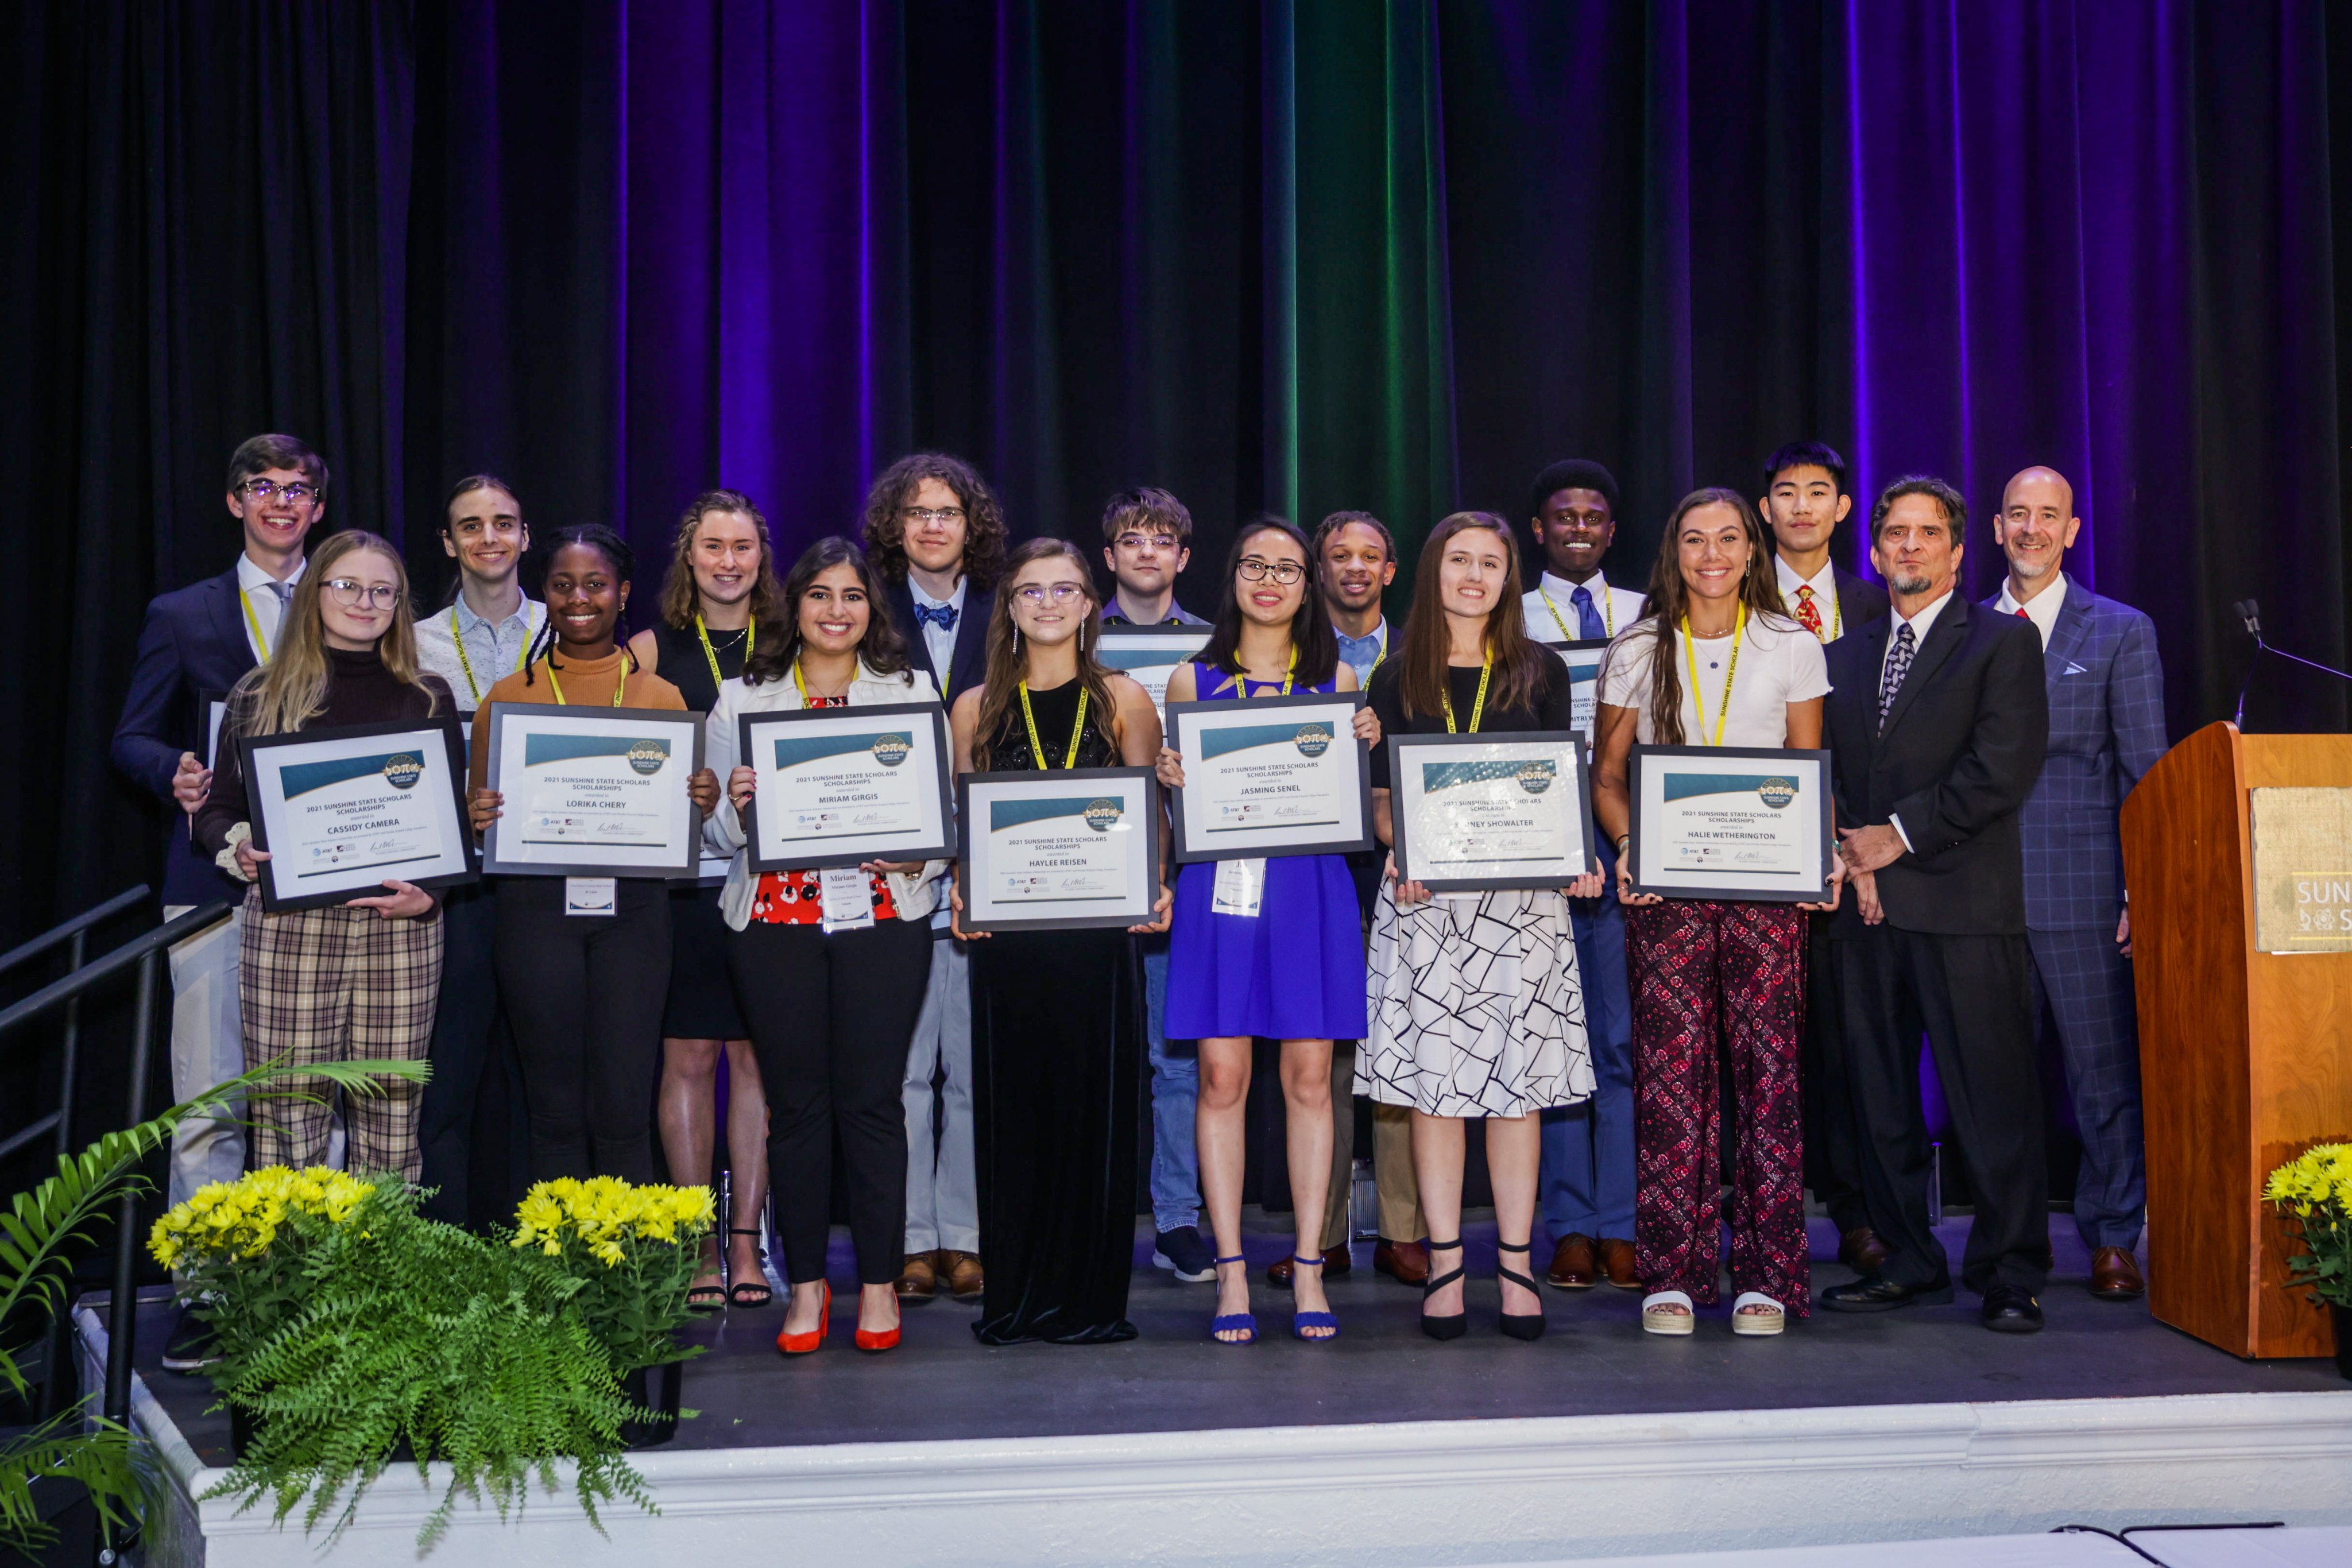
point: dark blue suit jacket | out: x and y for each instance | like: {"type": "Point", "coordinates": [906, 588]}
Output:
{"type": "Point", "coordinates": [969, 666]}
{"type": "Point", "coordinates": [193, 641]}
{"type": "Point", "coordinates": [2106, 728]}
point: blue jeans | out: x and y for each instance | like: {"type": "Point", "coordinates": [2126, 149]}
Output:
{"type": "Point", "coordinates": [1588, 1149]}
{"type": "Point", "coordinates": [1175, 1091]}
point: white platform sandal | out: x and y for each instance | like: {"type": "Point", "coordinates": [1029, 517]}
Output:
{"type": "Point", "coordinates": [1758, 1323]}
{"type": "Point", "coordinates": [1656, 1319]}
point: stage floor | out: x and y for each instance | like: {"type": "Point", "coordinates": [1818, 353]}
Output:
{"type": "Point", "coordinates": [1594, 1361]}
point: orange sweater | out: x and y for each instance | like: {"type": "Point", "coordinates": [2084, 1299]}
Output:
{"type": "Point", "coordinates": [587, 683]}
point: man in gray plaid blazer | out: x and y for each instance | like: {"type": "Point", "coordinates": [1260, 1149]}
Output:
{"type": "Point", "coordinates": [2106, 728]}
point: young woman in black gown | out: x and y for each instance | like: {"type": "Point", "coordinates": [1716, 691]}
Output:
{"type": "Point", "coordinates": [1057, 1016]}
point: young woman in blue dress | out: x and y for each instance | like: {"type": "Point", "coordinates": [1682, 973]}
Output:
{"type": "Point", "coordinates": [1284, 957]}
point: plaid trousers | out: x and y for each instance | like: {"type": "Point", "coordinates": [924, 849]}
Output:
{"type": "Point", "coordinates": [338, 985]}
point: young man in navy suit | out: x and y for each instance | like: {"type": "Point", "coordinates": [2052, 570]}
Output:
{"type": "Point", "coordinates": [2106, 728]}
{"type": "Point", "coordinates": [936, 533]}
{"type": "Point", "coordinates": [1805, 499]}
{"type": "Point", "coordinates": [196, 642]}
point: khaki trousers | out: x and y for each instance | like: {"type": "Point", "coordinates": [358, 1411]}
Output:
{"type": "Point", "coordinates": [1392, 1178]}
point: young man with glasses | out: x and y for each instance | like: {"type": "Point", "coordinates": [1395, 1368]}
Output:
{"type": "Point", "coordinates": [1146, 543]}
{"type": "Point", "coordinates": [196, 642]}
{"type": "Point", "coordinates": [935, 532]}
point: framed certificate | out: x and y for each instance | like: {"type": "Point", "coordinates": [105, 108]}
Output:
{"type": "Point", "coordinates": [1151, 654]}
{"type": "Point", "coordinates": [1475, 811]}
{"type": "Point", "coordinates": [1271, 776]}
{"type": "Point", "coordinates": [1060, 851]}
{"type": "Point", "coordinates": [842, 786]}
{"type": "Point", "coordinates": [593, 791]}
{"type": "Point", "coordinates": [1583, 661]}
{"type": "Point", "coordinates": [1730, 822]}
{"type": "Point", "coordinates": [342, 810]}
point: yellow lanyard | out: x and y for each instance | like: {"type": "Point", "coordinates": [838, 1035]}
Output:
{"type": "Point", "coordinates": [1037, 749]}
{"type": "Point", "coordinates": [1376, 658]}
{"type": "Point", "coordinates": [1478, 708]}
{"type": "Point", "coordinates": [619, 685]}
{"type": "Point", "coordinates": [1608, 615]}
{"type": "Point", "coordinates": [800, 686]}
{"type": "Point", "coordinates": [750, 636]}
{"type": "Point", "coordinates": [253, 625]}
{"type": "Point", "coordinates": [1837, 612]}
{"type": "Point", "coordinates": [521, 653]}
{"type": "Point", "coordinates": [1241, 681]}
{"type": "Point", "coordinates": [1690, 653]}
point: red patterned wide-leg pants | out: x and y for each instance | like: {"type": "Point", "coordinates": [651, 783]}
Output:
{"type": "Point", "coordinates": [1704, 971]}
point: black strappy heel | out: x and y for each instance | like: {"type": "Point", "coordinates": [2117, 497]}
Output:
{"type": "Point", "coordinates": [1454, 1325]}
{"type": "Point", "coordinates": [1519, 1325]}
{"type": "Point", "coordinates": [746, 1293]}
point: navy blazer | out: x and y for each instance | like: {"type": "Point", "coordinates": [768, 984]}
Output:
{"type": "Point", "coordinates": [969, 664]}
{"type": "Point", "coordinates": [193, 641]}
{"type": "Point", "coordinates": [1860, 601]}
{"type": "Point", "coordinates": [1959, 754]}
{"type": "Point", "coordinates": [2106, 690]}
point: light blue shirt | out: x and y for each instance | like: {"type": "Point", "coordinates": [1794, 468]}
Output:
{"type": "Point", "coordinates": [493, 650]}
{"type": "Point", "coordinates": [1360, 653]}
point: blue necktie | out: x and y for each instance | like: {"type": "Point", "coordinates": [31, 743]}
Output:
{"type": "Point", "coordinates": [943, 616]}
{"type": "Point", "coordinates": [1588, 621]}
{"type": "Point", "coordinates": [1899, 664]}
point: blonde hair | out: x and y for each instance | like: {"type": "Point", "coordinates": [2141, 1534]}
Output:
{"type": "Point", "coordinates": [290, 690]}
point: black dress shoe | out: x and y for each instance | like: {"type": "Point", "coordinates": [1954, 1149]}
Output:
{"type": "Point", "coordinates": [2012, 1308]}
{"type": "Point", "coordinates": [1877, 1293]}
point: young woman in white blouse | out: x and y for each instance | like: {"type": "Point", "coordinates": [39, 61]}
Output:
{"type": "Point", "coordinates": [1717, 660]}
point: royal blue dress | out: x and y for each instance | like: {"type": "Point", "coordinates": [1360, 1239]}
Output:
{"type": "Point", "coordinates": [1293, 971]}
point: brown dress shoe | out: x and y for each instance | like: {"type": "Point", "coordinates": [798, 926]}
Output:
{"type": "Point", "coordinates": [963, 1278]}
{"type": "Point", "coordinates": [1336, 1262]}
{"type": "Point", "coordinates": [1406, 1262]}
{"type": "Point", "coordinates": [918, 1280]}
{"type": "Point", "coordinates": [2114, 1275]}
{"type": "Point", "coordinates": [1573, 1265]}
{"type": "Point", "coordinates": [1617, 1264]}
{"type": "Point", "coordinates": [1861, 1250]}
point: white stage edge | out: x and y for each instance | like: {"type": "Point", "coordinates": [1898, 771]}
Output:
{"type": "Point", "coordinates": [1525, 1490]}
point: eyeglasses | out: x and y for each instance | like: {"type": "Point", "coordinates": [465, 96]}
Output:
{"type": "Point", "coordinates": [1153, 541]}
{"type": "Point", "coordinates": [1283, 573]}
{"type": "Point", "coordinates": [350, 592]}
{"type": "Point", "coordinates": [933, 514]}
{"type": "Point", "coordinates": [298, 492]}
{"type": "Point", "coordinates": [1036, 594]}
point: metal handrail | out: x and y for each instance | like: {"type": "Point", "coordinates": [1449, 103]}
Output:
{"type": "Point", "coordinates": [169, 933]}
{"type": "Point", "coordinates": [25, 952]}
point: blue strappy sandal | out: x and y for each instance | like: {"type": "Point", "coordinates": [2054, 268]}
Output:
{"type": "Point", "coordinates": [1301, 1322]}
{"type": "Point", "coordinates": [1245, 1322]}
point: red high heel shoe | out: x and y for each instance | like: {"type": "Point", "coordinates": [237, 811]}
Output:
{"type": "Point", "coordinates": [802, 1344]}
{"type": "Point", "coordinates": [886, 1339]}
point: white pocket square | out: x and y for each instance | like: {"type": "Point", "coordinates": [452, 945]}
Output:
{"type": "Point", "coordinates": [2074, 669]}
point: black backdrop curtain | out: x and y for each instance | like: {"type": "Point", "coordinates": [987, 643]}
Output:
{"type": "Point", "coordinates": [1293, 255]}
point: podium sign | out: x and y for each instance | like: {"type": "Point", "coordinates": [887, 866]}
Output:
{"type": "Point", "coordinates": [2302, 870]}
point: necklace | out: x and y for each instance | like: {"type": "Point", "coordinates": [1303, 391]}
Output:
{"type": "Point", "coordinates": [1690, 653]}
{"type": "Point", "coordinates": [1037, 749]}
{"type": "Point", "coordinates": [751, 637]}
{"type": "Point", "coordinates": [619, 686]}
{"type": "Point", "coordinates": [801, 686]}
{"type": "Point", "coordinates": [1478, 708]}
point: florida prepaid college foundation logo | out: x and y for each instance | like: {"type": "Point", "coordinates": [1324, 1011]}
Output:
{"type": "Point", "coordinates": [646, 757]}
{"type": "Point", "coordinates": [1102, 816]}
{"type": "Point", "coordinates": [1536, 777]}
{"type": "Point", "coordinates": [1314, 739]}
{"type": "Point", "coordinates": [1776, 792]}
{"type": "Point", "coordinates": [402, 770]}
{"type": "Point", "coordinates": [890, 751]}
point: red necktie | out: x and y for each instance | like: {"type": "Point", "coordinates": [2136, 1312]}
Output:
{"type": "Point", "coordinates": [2020, 614]}
{"type": "Point", "coordinates": [1806, 612]}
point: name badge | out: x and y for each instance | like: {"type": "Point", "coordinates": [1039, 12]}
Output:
{"type": "Point", "coordinates": [849, 899]}
{"type": "Point", "coordinates": [1241, 888]}
{"type": "Point", "coordinates": [590, 894]}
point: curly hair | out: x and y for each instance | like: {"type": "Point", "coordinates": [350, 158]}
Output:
{"type": "Point", "coordinates": [885, 531]}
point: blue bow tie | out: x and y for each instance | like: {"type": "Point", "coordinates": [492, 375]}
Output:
{"type": "Point", "coordinates": [942, 615]}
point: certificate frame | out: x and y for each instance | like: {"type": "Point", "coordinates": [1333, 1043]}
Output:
{"type": "Point", "coordinates": [1743, 768]}
{"type": "Point", "coordinates": [1563, 749]}
{"type": "Point", "coordinates": [1194, 807]}
{"type": "Point", "coordinates": [1126, 649]}
{"type": "Point", "coordinates": [503, 850]}
{"type": "Point", "coordinates": [924, 728]}
{"type": "Point", "coordinates": [1585, 658]}
{"type": "Point", "coordinates": [268, 758]}
{"type": "Point", "coordinates": [1133, 792]}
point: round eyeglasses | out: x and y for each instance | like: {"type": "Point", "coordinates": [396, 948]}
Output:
{"type": "Point", "coordinates": [1034, 595]}
{"type": "Point", "coordinates": [348, 593]}
{"type": "Point", "coordinates": [1283, 573]}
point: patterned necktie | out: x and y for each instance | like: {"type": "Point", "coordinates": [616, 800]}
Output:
{"type": "Point", "coordinates": [1807, 611]}
{"type": "Point", "coordinates": [1587, 619]}
{"type": "Point", "coordinates": [943, 616]}
{"type": "Point", "coordinates": [1899, 664]}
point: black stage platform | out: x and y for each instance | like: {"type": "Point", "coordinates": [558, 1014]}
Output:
{"type": "Point", "coordinates": [1595, 1359]}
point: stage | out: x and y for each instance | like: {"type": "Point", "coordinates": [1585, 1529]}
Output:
{"type": "Point", "coordinates": [1386, 1447]}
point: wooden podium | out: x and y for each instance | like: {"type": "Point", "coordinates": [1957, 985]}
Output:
{"type": "Point", "coordinates": [2245, 1051]}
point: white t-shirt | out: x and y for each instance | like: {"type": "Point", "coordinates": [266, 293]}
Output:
{"type": "Point", "coordinates": [1779, 663]}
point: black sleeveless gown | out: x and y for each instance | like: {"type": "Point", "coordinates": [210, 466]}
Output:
{"type": "Point", "coordinates": [701, 1003]}
{"type": "Point", "coordinates": [1056, 1061]}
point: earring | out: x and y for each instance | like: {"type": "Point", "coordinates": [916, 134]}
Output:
{"type": "Point", "coordinates": [1016, 636]}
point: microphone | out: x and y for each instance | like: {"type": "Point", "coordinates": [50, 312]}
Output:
{"type": "Point", "coordinates": [2251, 614]}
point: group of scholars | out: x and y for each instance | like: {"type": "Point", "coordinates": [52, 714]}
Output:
{"type": "Point", "coordinates": [970, 1085]}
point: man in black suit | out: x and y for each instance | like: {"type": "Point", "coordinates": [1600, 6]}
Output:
{"type": "Point", "coordinates": [1937, 726]}
{"type": "Point", "coordinates": [936, 535]}
{"type": "Point", "coordinates": [1805, 498]}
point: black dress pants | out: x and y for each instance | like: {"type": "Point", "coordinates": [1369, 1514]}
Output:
{"type": "Point", "coordinates": [584, 993]}
{"type": "Point", "coordinates": [1832, 1159]}
{"type": "Point", "coordinates": [831, 1019]}
{"type": "Point", "coordinates": [1973, 997]}
{"type": "Point", "coordinates": [460, 1053]}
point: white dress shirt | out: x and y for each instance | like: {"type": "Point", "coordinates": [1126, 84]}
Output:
{"type": "Point", "coordinates": [2041, 609]}
{"type": "Point", "coordinates": [1825, 595]}
{"type": "Point", "coordinates": [938, 640]}
{"type": "Point", "coordinates": [1921, 624]}
{"type": "Point", "coordinates": [1549, 608]}
{"type": "Point", "coordinates": [267, 607]}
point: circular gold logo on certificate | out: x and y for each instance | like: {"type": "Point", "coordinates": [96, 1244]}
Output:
{"type": "Point", "coordinates": [1314, 739]}
{"type": "Point", "coordinates": [1102, 816]}
{"type": "Point", "coordinates": [1776, 792]}
{"type": "Point", "coordinates": [402, 770]}
{"type": "Point", "coordinates": [890, 751]}
{"type": "Point", "coordinates": [1536, 777]}
{"type": "Point", "coordinates": [646, 757]}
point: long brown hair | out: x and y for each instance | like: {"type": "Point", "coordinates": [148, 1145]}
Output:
{"type": "Point", "coordinates": [1760, 589]}
{"type": "Point", "coordinates": [885, 531]}
{"type": "Point", "coordinates": [1004, 659]}
{"type": "Point", "coordinates": [882, 650]}
{"type": "Point", "coordinates": [679, 598]}
{"type": "Point", "coordinates": [1519, 662]}
{"type": "Point", "coordinates": [1312, 641]}
{"type": "Point", "coordinates": [290, 690]}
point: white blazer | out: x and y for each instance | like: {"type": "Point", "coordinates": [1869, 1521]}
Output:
{"type": "Point", "coordinates": [914, 896]}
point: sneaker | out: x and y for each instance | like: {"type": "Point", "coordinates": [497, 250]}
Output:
{"type": "Point", "coordinates": [190, 1346]}
{"type": "Point", "coordinates": [1182, 1250]}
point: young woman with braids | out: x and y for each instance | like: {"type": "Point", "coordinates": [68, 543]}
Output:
{"type": "Point", "coordinates": [583, 991]}
{"type": "Point", "coordinates": [1057, 1022]}
{"type": "Point", "coordinates": [1717, 660]}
